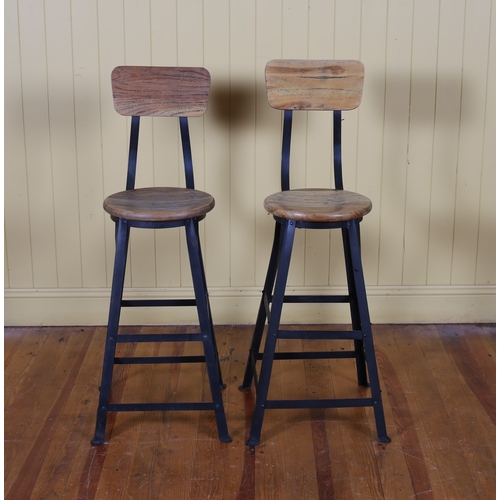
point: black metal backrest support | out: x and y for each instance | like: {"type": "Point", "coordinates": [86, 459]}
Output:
{"type": "Point", "coordinates": [285, 151]}
{"type": "Point", "coordinates": [186, 152]}
{"type": "Point", "coordinates": [132, 153]}
{"type": "Point", "coordinates": [337, 149]}
{"type": "Point", "coordinates": [286, 147]}
{"type": "Point", "coordinates": [134, 146]}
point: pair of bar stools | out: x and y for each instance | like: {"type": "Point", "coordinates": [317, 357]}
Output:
{"type": "Point", "coordinates": [183, 92]}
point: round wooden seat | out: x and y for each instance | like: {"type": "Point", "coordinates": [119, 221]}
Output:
{"type": "Point", "coordinates": [159, 204]}
{"type": "Point", "coordinates": [318, 205]}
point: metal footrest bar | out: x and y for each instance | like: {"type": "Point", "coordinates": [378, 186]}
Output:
{"type": "Point", "coordinates": [275, 404]}
{"type": "Point", "coordinates": [159, 337]}
{"type": "Point", "coordinates": [317, 299]}
{"type": "Point", "coordinates": [161, 406]}
{"type": "Point", "coordinates": [153, 360]}
{"type": "Point", "coordinates": [158, 302]}
{"type": "Point", "coordinates": [320, 334]}
{"type": "Point", "coordinates": [312, 355]}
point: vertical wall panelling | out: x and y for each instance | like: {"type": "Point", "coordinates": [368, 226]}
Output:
{"type": "Point", "coordinates": [63, 142]}
{"type": "Point", "coordinates": [470, 147]}
{"type": "Point", "coordinates": [19, 273]}
{"type": "Point", "coordinates": [446, 132]}
{"type": "Point", "coordinates": [395, 142]}
{"type": "Point", "coordinates": [421, 147]}
{"type": "Point", "coordinates": [242, 112]}
{"type": "Point", "coordinates": [371, 129]}
{"type": "Point", "coordinates": [190, 53]}
{"type": "Point", "coordinates": [163, 33]}
{"type": "Point", "coordinates": [347, 46]}
{"type": "Point", "coordinates": [267, 131]}
{"type": "Point", "coordinates": [114, 131]}
{"type": "Point", "coordinates": [37, 134]}
{"type": "Point", "coordinates": [6, 283]}
{"type": "Point", "coordinates": [88, 141]}
{"type": "Point", "coordinates": [217, 143]}
{"type": "Point", "coordinates": [486, 255]}
{"type": "Point", "coordinates": [420, 141]}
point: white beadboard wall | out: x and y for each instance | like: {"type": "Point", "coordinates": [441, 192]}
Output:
{"type": "Point", "coordinates": [421, 146]}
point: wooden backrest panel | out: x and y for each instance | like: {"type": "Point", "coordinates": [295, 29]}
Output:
{"type": "Point", "coordinates": [160, 91]}
{"type": "Point", "coordinates": [314, 84]}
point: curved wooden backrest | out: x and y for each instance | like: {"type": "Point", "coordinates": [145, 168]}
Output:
{"type": "Point", "coordinates": [314, 84]}
{"type": "Point", "coordinates": [160, 91]}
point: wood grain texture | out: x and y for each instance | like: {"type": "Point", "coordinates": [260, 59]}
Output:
{"type": "Point", "coordinates": [318, 205]}
{"type": "Point", "coordinates": [159, 204]}
{"type": "Point", "coordinates": [160, 91]}
{"type": "Point", "coordinates": [314, 84]}
{"type": "Point", "coordinates": [433, 382]}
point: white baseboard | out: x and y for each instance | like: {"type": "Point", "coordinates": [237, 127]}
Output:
{"type": "Point", "coordinates": [388, 304]}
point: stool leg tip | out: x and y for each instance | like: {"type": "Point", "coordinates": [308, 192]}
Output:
{"type": "Point", "coordinates": [226, 439]}
{"type": "Point", "coordinates": [384, 439]}
{"type": "Point", "coordinates": [243, 387]}
{"type": "Point", "coordinates": [252, 442]}
{"type": "Point", "coordinates": [96, 441]}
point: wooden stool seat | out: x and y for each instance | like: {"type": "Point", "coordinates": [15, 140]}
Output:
{"type": "Point", "coordinates": [318, 205]}
{"type": "Point", "coordinates": [159, 204]}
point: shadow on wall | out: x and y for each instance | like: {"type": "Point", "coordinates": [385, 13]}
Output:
{"type": "Point", "coordinates": [426, 122]}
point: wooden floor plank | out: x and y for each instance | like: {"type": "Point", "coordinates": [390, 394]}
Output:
{"type": "Point", "coordinates": [475, 367]}
{"type": "Point", "coordinates": [63, 454]}
{"type": "Point", "coordinates": [329, 454]}
{"type": "Point", "coordinates": [23, 352]}
{"type": "Point", "coordinates": [233, 350]}
{"type": "Point", "coordinates": [438, 382]}
{"type": "Point", "coordinates": [28, 411]}
{"type": "Point", "coordinates": [269, 459]}
{"type": "Point", "coordinates": [401, 466]}
{"type": "Point", "coordinates": [469, 392]}
{"type": "Point", "coordinates": [12, 340]}
{"type": "Point", "coordinates": [489, 338]}
{"type": "Point", "coordinates": [448, 397]}
{"type": "Point", "coordinates": [300, 475]}
{"type": "Point", "coordinates": [410, 442]}
{"type": "Point", "coordinates": [106, 467]}
{"type": "Point", "coordinates": [62, 376]}
{"type": "Point", "coordinates": [357, 433]}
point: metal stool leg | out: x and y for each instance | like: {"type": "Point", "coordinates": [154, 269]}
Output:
{"type": "Point", "coordinates": [263, 313]}
{"type": "Point", "coordinates": [207, 332]}
{"type": "Point", "coordinates": [355, 317]}
{"type": "Point", "coordinates": [371, 361]}
{"type": "Point", "coordinates": [210, 322]}
{"type": "Point", "coordinates": [121, 237]}
{"type": "Point", "coordinates": [287, 232]}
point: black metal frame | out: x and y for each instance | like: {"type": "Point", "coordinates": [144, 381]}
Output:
{"type": "Point", "coordinates": [274, 296]}
{"type": "Point", "coordinates": [201, 301]}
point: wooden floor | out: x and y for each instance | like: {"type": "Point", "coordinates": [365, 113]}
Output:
{"type": "Point", "coordinates": [438, 384]}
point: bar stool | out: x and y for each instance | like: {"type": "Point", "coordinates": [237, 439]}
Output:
{"type": "Point", "coordinates": [160, 92]}
{"type": "Point", "coordinates": [313, 85]}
